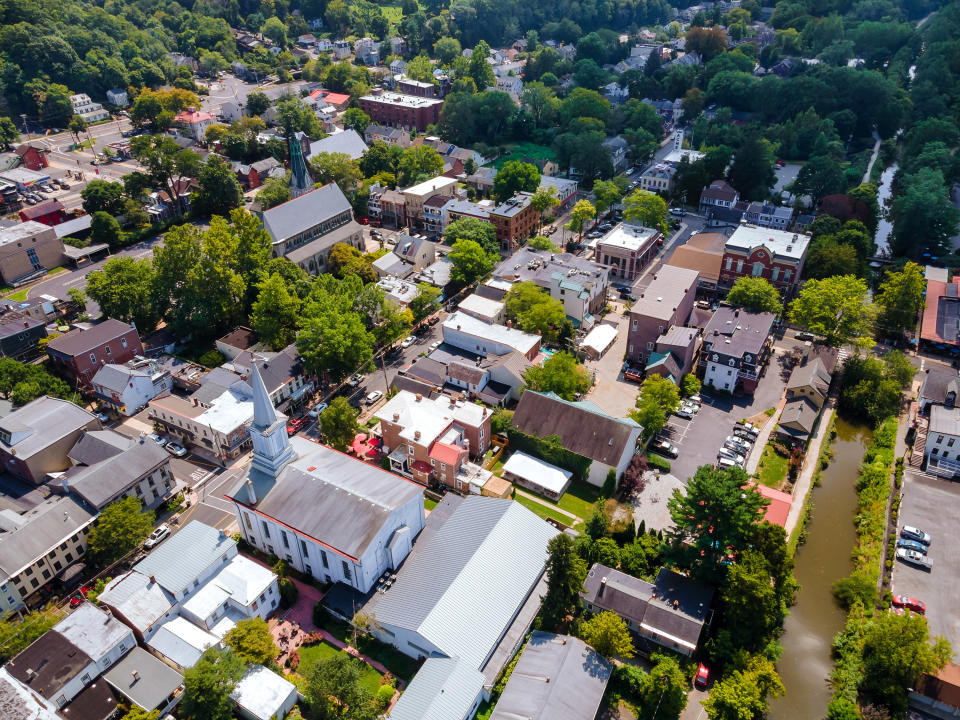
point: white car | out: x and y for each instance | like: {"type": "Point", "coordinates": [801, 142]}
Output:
{"type": "Point", "coordinates": [737, 444]}
{"type": "Point", "coordinates": [159, 439]}
{"type": "Point", "coordinates": [156, 537]}
{"type": "Point", "coordinates": [374, 396]}
{"type": "Point", "coordinates": [315, 413]}
{"type": "Point", "coordinates": [176, 449]}
{"type": "Point", "coordinates": [408, 341]}
{"type": "Point", "coordinates": [690, 407]}
{"type": "Point", "coordinates": [731, 455]}
{"type": "Point", "coordinates": [434, 345]}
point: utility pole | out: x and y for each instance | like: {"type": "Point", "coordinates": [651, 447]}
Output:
{"type": "Point", "coordinates": [26, 128]}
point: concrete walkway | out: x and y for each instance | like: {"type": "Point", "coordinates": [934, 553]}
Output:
{"type": "Point", "coordinates": [756, 452]}
{"type": "Point", "coordinates": [873, 157]}
{"type": "Point", "coordinates": [550, 505]}
{"type": "Point", "coordinates": [811, 462]}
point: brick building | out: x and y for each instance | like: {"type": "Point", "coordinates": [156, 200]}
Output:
{"type": "Point", "coordinates": [774, 255]}
{"type": "Point", "coordinates": [627, 249]}
{"type": "Point", "coordinates": [80, 353]}
{"type": "Point", "coordinates": [666, 302]}
{"type": "Point", "coordinates": [407, 111]}
{"type": "Point", "coordinates": [33, 157]}
{"type": "Point", "coordinates": [515, 220]}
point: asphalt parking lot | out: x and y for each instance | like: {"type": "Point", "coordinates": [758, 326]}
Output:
{"type": "Point", "coordinates": [929, 504]}
{"type": "Point", "coordinates": [699, 439]}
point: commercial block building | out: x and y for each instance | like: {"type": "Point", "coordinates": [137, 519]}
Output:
{"type": "Point", "coordinates": [667, 301]}
{"type": "Point", "coordinates": [774, 255]}
{"type": "Point", "coordinates": [407, 111]}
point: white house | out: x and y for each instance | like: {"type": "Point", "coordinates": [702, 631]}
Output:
{"type": "Point", "coordinates": [468, 333]}
{"type": "Point", "coordinates": [327, 514]}
{"type": "Point", "coordinates": [88, 109]}
{"type": "Point", "coordinates": [118, 97]}
{"type": "Point", "coordinates": [261, 694]}
{"type": "Point", "coordinates": [242, 589]}
{"type": "Point", "coordinates": [942, 451]}
{"type": "Point", "coordinates": [100, 635]}
{"type": "Point", "coordinates": [128, 388]}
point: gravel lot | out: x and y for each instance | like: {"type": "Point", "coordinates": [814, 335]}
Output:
{"type": "Point", "coordinates": [930, 504]}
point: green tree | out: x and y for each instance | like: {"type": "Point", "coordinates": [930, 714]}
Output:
{"type": "Point", "coordinates": [923, 210]}
{"type": "Point", "coordinates": [251, 641]}
{"type": "Point", "coordinates": [755, 293]}
{"type": "Point", "coordinates": [446, 50]}
{"type": "Point", "coordinates": [426, 301]}
{"type": "Point", "coordinates": [418, 163]}
{"type": "Point", "coordinates": [338, 423]}
{"type": "Point", "coordinates": [333, 338]}
{"type": "Point", "coordinates": [17, 634]}
{"type": "Point", "coordinates": [335, 691]}
{"type": "Point", "coordinates": [480, 231]}
{"type": "Point", "coordinates": [714, 516]}
{"type": "Point", "coordinates": [479, 69]}
{"type": "Point", "coordinates": [566, 572]}
{"type": "Point", "coordinates": [274, 191]}
{"type": "Point", "coordinates": [543, 198]}
{"type": "Point", "coordinates": [742, 695]}
{"type": "Point", "coordinates": [124, 290]}
{"type": "Point", "coordinates": [820, 176]}
{"type": "Point", "coordinates": [105, 229]}
{"type": "Point", "coordinates": [138, 713]}
{"type": "Point", "coordinates": [470, 262]}
{"type": "Point", "coordinates": [167, 165]}
{"type": "Point", "coordinates": [900, 298]}
{"type": "Point", "coordinates": [275, 313]}
{"type": "Point", "coordinates": [122, 526]}
{"type": "Point", "coordinates": [643, 557]}
{"type": "Point", "coordinates": [665, 689]}
{"type": "Point", "coordinates": [542, 242]}
{"type": "Point", "coordinates": [828, 258]}
{"type": "Point", "coordinates": [275, 30]}
{"type": "Point", "coordinates": [752, 171]}
{"type": "Point", "coordinates": [582, 213]}
{"type": "Point", "coordinates": [218, 191]}
{"type": "Point", "coordinates": [608, 634]}
{"type": "Point", "coordinates": [208, 684]}
{"type": "Point", "coordinates": [606, 194]}
{"type": "Point", "coordinates": [336, 168]}
{"type": "Point", "coordinates": [257, 103]}
{"type": "Point", "coordinates": [77, 126]}
{"type": "Point", "coordinates": [346, 260]}
{"type": "Point", "coordinates": [421, 69]}
{"type": "Point", "coordinates": [294, 115]}
{"type": "Point", "coordinates": [871, 386]}
{"type": "Point", "coordinates": [103, 195]}
{"type": "Point", "coordinates": [897, 650]}
{"type": "Point", "coordinates": [535, 311]}
{"type": "Point", "coordinates": [515, 176]}
{"type": "Point", "coordinates": [356, 119]}
{"type": "Point", "coordinates": [753, 611]}
{"type": "Point", "coordinates": [689, 385]}
{"type": "Point", "coordinates": [838, 308]}
{"type": "Point", "coordinates": [8, 132]}
{"type": "Point", "coordinates": [562, 374]}
{"type": "Point", "coordinates": [659, 397]}
{"type": "Point", "coordinates": [646, 208]}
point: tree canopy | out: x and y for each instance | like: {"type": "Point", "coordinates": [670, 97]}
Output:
{"type": "Point", "coordinates": [838, 308]}
{"type": "Point", "coordinates": [755, 293]}
{"type": "Point", "coordinates": [562, 374]}
{"type": "Point", "coordinates": [122, 526]}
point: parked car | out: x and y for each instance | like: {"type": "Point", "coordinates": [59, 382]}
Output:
{"type": "Point", "coordinates": [914, 533]}
{"type": "Point", "coordinates": [724, 463]}
{"type": "Point", "coordinates": [695, 399]}
{"type": "Point", "coordinates": [356, 380]}
{"type": "Point", "coordinates": [30, 201]}
{"type": "Point", "coordinates": [702, 677]}
{"type": "Point", "coordinates": [805, 336]}
{"type": "Point", "coordinates": [64, 184]}
{"type": "Point", "coordinates": [676, 212]}
{"type": "Point", "coordinates": [912, 545]}
{"type": "Point", "coordinates": [736, 447]}
{"type": "Point", "coordinates": [665, 448]}
{"type": "Point", "coordinates": [731, 455]}
{"type": "Point", "coordinates": [692, 407]}
{"type": "Point", "coordinates": [683, 412]}
{"type": "Point", "coordinates": [905, 601]}
{"type": "Point", "coordinates": [176, 449]}
{"type": "Point", "coordinates": [374, 396]}
{"type": "Point", "coordinates": [159, 439]}
{"type": "Point", "coordinates": [738, 444]}
{"type": "Point", "coordinates": [315, 413]}
{"type": "Point", "coordinates": [157, 537]}
{"type": "Point", "coordinates": [81, 595]}
{"type": "Point", "coordinates": [295, 425]}
{"type": "Point", "coordinates": [434, 345]}
{"type": "Point", "coordinates": [915, 558]}
{"type": "Point", "coordinates": [102, 416]}
{"type": "Point", "coordinates": [408, 341]}
{"type": "Point", "coordinates": [748, 428]}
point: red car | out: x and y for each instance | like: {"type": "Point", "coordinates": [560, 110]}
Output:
{"type": "Point", "coordinates": [702, 676]}
{"type": "Point", "coordinates": [781, 163]}
{"type": "Point", "coordinates": [909, 603]}
{"type": "Point", "coordinates": [295, 425]}
{"type": "Point", "coordinates": [77, 599]}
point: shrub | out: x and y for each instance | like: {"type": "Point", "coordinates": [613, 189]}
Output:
{"type": "Point", "coordinates": [658, 463]}
{"type": "Point", "coordinates": [319, 615]}
{"type": "Point", "coordinates": [212, 359]}
{"type": "Point", "coordinates": [288, 592]}
{"type": "Point", "coordinates": [384, 696]}
{"type": "Point", "coordinates": [857, 587]}
{"type": "Point", "coordinates": [280, 568]}
{"type": "Point", "coordinates": [610, 484]}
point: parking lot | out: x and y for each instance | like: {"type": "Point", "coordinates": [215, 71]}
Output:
{"type": "Point", "coordinates": [928, 503]}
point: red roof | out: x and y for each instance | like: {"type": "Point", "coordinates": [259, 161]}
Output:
{"type": "Point", "coordinates": [446, 453]}
{"type": "Point", "coordinates": [421, 466]}
{"type": "Point", "coordinates": [939, 296]}
{"type": "Point", "coordinates": [778, 509]}
{"type": "Point", "coordinates": [192, 117]}
{"type": "Point", "coordinates": [40, 209]}
{"type": "Point", "coordinates": [331, 97]}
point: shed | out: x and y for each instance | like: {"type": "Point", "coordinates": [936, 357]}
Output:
{"type": "Point", "coordinates": [599, 340]}
{"type": "Point", "coordinates": [541, 477]}
{"type": "Point", "coordinates": [261, 694]}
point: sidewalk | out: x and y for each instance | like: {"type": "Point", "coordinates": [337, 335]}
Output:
{"type": "Point", "coordinates": [756, 452]}
{"type": "Point", "coordinates": [556, 508]}
{"type": "Point", "coordinates": [810, 464]}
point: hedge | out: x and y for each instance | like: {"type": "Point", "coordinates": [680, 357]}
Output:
{"type": "Point", "coordinates": [550, 449]}
{"type": "Point", "coordinates": [658, 463]}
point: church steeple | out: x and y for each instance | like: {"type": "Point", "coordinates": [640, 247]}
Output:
{"type": "Point", "coordinates": [271, 445]}
{"type": "Point", "coordinates": [300, 180]}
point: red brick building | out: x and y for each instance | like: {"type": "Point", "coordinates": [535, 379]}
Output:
{"type": "Point", "coordinates": [406, 111]}
{"type": "Point", "coordinates": [515, 220]}
{"type": "Point", "coordinates": [49, 212]}
{"type": "Point", "coordinates": [33, 157]}
{"type": "Point", "coordinates": [775, 255]}
{"type": "Point", "coordinates": [80, 353]}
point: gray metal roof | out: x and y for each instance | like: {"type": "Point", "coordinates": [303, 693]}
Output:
{"type": "Point", "coordinates": [557, 676]}
{"type": "Point", "coordinates": [44, 527]}
{"type": "Point", "coordinates": [442, 689]}
{"type": "Point", "coordinates": [304, 212]}
{"type": "Point", "coordinates": [95, 446]}
{"type": "Point", "coordinates": [944, 420]}
{"type": "Point", "coordinates": [183, 557]}
{"type": "Point", "coordinates": [329, 496]}
{"type": "Point", "coordinates": [348, 142]}
{"type": "Point", "coordinates": [115, 377]}
{"type": "Point", "coordinates": [325, 241]}
{"type": "Point", "coordinates": [462, 585]}
{"type": "Point", "coordinates": [153, 683]}
{"type": "Point", "coordinates": [141, 602]}
{"type": "Point", "coordinates": [47, 419]}
{"type": "Point", "coordinates": [93, 630]}
{"type": "Point", "coordinates": [104, 481]}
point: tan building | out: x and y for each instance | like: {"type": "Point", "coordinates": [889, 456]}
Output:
{"type": "Point", "coordinates": [417, 195]}
{"type": "Point", "coordinates": [703, 252]}
{"type": "Point", "coordinates": [27, 249]}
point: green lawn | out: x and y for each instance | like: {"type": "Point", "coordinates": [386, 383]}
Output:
{"type": "Point", "coordinates": [580, 498]}
{"type": "Point", "coordinates": [526, 152]}
{"type": "Point", "coordinates": [18, 296]}
{"type": "Point", "coordinates": [312, 654]}
{"type": "Point", "coordinates": [772, 468]}
{"type": "Point", "coordinates": [542, 510]}
{"type": "Point", "coordinates": [429, 504]}
{"type": "Point", "coordinates": [56, 270]}
{"type": "Point", "coordinates": [392, 659]}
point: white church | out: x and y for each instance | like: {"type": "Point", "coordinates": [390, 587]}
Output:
{"type": "Point", "coordinates": [327, 514]}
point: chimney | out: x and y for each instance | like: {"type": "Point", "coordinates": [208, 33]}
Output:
{"type": "Point", "coordinates": [396, 417]}
{"type": "Point", "coordinates": [416, 434]}
{"type": "Point", "coordinates": [26, 324]}
{"type": "Point", "coordinates": [153, 580]}
{"type": "Point", "coordinates": [419, 397]}
{"type": "Point", "coordinates": [736, 313]}
{"type": "Point", "coordinates": [135, 674]}
{"type": "Point", "coordinates": [603, 585]}
{"type": "Point", "coordinates": [251, 495]}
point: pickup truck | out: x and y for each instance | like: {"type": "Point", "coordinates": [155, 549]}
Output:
{"type": "Point", "coordinates": [633, 374]}
{"type": "Point", "coordinates": [915, 558]}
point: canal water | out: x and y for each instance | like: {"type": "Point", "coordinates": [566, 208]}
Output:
{"type": "Point", "coordinates": [884, 227]}
{"type": "Point", "coordinates": [825, 558]}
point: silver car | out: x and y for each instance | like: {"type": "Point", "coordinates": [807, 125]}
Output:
{"type": "Point", "coordinates": [731, 455]}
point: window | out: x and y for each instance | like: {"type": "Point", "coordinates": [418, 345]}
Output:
{"type": "Point", "coordinates": [443, 466]}
{"type": "Point", "coordinates": [283, 536]}
{"type": "Point", "coordinates": [57, 566]}
{"type": "Point", "coordinates": [123, 342]}
{"type": "Point", "coordinates": [932, 452]}
{"type": "Point", "coordinates": [729, 263]}
{"type": "Point", "coordinates": [46, 574]}
{"type": "Point", "coordinates": [950, 442]}
{"type": "Point", "coordinates": [34, 583]}
{"type": "Point", "coordinates": [758, 269]}
{"type": "Point", "coordinates": [939, 439]}
{"type": "Point", "coordinates": [196, 582]}
{"type": "Point", "coordinates": [634, 324]}
{"type": "Point", "coordinates": [61, 701]}
{"type": "Point", "coordinates": [346, 570]}
{"type": "Point", "coordinates": [739, 266]}
{"type": "Point", "coordinates": [786, 276]}
{"type": "Point", "coordinates": [946, 455]}
{"type": "Point", "coordinates": [308, 569]}
{"type": "Point", "coordinates": [93, 358]}
{"type": "Point", "coordinates": [649, 346]}
{"type": "Point", "coordinates": [303, 547]}
{"type": "Point", "coordinates": [481, 433]}
{"type": "Point", "coordinates": [323, 559]}
{"type": "Point", "coordinates": [249, 523]}
{"type": "Point", "coordinates": [266, 529]}
{"type": "Point", "coordinates": [775, 274]}
{"type": "Point", "coordinates": [410, 449]}
{"type": "Point", "coordinates": [255, 606]}
{"type": "Point", "coordinates": [109, 352]}
{"type": "Point", "coordinates": [69, 558]}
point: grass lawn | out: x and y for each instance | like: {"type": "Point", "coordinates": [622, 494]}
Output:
{"type": "Point", "coordinates": [542, 510]}
{"type": "Point", "coordinates": [56, 270]}
{"type": "Point", "coordinates": [579, 499]}
{"type": "Point", "coordinates": [429, 504]}
{"type": "Point", "coordinates": [313, 654]}
{"type": "Point", "coordinates": [18, 296]}
{"type": "Point", "coordinates": [772, 468]}
{"type": "Point", "coordinates": [526, 152]}
{"type": "Point", "coordinates": [392, 659]}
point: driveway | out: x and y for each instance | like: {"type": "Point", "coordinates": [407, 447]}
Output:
{"type": "Point", "coordinates": [931, 504]}
{"type": "Point", "coordinates": [614, 395]}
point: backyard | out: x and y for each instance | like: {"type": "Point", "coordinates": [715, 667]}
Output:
{"type": "Point", "coordinates": [310, 655]}
{"type": "Point", "coordinates": [526, 152]}
{"type": "Point", "coordinates": [392, 659]}
{"type": "Point", "coordinates": [772, 470]}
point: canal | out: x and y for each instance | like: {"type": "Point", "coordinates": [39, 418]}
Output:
{"type": "Point", "coordinates": [822, 560]}
{"type": "Point", "coordinates": [885, 226]}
